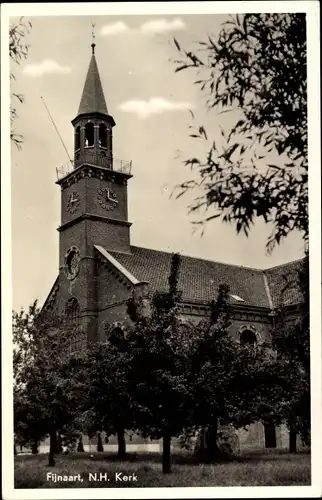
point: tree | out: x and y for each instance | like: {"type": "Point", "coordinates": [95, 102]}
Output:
{"type": "Point", "coordinates": [232, 384]}
{"type": "Point", "coordinates": [190, 377]}
{"type": "Point", "coordinates": [157, 374]}
{"type": "Point", "coordinates": [18, 51]}
{"type": "Point", "coordinates": [254, 68]}
{"type": "Point", "coordinates": [107, 405]}
{"type": "Point", "coordinates": [291, 339]}
{"type": "Point", "coordinates": [47, 377]}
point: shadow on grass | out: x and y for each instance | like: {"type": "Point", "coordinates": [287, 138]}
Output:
{"type": "Point", "coordinates": [177, 457]}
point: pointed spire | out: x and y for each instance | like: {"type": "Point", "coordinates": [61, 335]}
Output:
{"type": "Point", "coordinates": [93, 99]}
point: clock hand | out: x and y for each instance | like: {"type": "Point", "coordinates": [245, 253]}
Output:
{"type": "Point", "coordinates": [108, 198]}
{"type": "Point", "coordinates": [113, 200]}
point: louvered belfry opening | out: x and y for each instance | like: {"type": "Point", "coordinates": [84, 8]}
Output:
{"type": "Point", "coordinates": [93, 125]}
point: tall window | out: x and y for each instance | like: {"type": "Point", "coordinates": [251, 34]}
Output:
{"type": "Point", "coordinates": [72, 312]}
{"type": "Point", "coordinates": [73, 321]}
{"type": "Point", "coordinates": [89, 135]}
{"type": "Point", "coordinates": [102, 136]}
{"type": "Point", "coordinates": [77, 138]}
{"type": "Point", "coordinates": [248, 337]}
{"type": "Point", "coordinates": [109, 140]}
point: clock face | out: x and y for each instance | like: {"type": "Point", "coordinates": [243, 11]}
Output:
{"type": "Point", "coordinates": [73, 202]}
{"type": "Point", "coordinates": [106, 198]}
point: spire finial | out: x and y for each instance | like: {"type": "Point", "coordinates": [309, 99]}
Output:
{"type": "Point", "coordinates": [93, 39]}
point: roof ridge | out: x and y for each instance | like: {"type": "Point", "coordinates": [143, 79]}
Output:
{"type": "Point", "coordinates": [285, 264]}
{"type": "Point", "coordinates": [208, 260]}
{"type": "Point", "coordinates": [132, 279]}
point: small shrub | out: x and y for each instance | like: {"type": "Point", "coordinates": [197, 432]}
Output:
{"type": "Point", "coordinates": [228, 442]}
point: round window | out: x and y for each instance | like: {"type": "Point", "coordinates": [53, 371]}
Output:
{"type": "Point", "coordinates": [72, 260]}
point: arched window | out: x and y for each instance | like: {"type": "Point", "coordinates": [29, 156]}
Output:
{"type": "Point", "coordinates": [248, 337]}
{"type": "Point", "coordinates": [77, 138]}
{"type": "Point", "coordinates": [102, 136]}
{"type": "Point", "coordinates": [77, 339]}
{"type": "Point", "coordinates": [72, 312]}
{"type": "Point", "coordinates": [89, 135]}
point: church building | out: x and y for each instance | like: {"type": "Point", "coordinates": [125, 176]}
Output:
{"type": "Point", "coordinates": [99, 269]}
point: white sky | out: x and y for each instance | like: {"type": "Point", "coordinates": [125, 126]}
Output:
{"type": "Point", "coordinates": [139, 82]}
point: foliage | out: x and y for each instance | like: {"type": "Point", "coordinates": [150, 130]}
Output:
{"type": "Point", "coordinates": [232, 384]}
{"type": "Point", "coordinates": [18, 51]}
{"type": "Point", "coordinates": [157, 375]}
{"type": "Point", "coordinates": [294, 341]}
{"type": "Point", "coordinates": [291, 339]}
{"type": "Point", "coordinates": [228, 442]}
{"type": "Point", "coordinates": [187, 377]}
{"type": "Point", "coordinates": [47, 376]}
{"type": "Point", "coordinates": [107, 405]}
{"type": "Point", "coordinates": [256, 67]}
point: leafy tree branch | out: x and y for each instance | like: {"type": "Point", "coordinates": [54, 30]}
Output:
{"type": "Point", "coordinates": [256, 65]}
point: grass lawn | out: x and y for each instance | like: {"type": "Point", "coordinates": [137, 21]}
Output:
{"type": "Point", "coordinates": [264, 468]}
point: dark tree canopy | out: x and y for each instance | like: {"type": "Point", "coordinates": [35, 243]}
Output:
{"type": "Point", "coordinates": [107, 404]}
{"type": "Point", "coordinates": [256, 65]}
{"type": "Point", "coordinates": [48, 377]}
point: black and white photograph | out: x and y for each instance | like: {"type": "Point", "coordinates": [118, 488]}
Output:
{"type": "Point", "coordinates": [161, 248]}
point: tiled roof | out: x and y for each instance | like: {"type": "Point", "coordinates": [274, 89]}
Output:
{"type": "Point", "coordinates": [283, 283]}
{"type": "Point", "coordinates": [199, 279]}
{"type": "Point", "coordinates": [93, 99]}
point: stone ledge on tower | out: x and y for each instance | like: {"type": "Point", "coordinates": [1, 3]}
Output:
{"type": "Point", "coordinates": [67, 175]}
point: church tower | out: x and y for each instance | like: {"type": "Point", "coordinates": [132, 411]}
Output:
{"type": "Point", "coordinates": [93, 198]}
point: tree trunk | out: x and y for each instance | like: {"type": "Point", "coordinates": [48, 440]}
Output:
{"type": "Point", "coordinates": [99, 443]}
{"type": "Point", "coordinates": [306, 437]}
{"type": "Point", "coordinates": [121, 443]}
{"type": "Point", "coordinates": [80, 446]}
{"type": "Point", "coordinates": [199, 449]}
{"type": "Point", "coordinates": [52, 448]}
{"type": "Point", "coordinates": [166, 454]}
{"type": "Point", "coordinates": [14, 449]}
{"type": "Point", "coordinates": [59, 443]}
{"type": "Point", "coordinates": [34, 447]}
{"type": "Point", "coordinates": [212, 450]}
{"type": "Point", "coordinates": [206, 448]}
{"type": "Point", "coordinates": [292, 440]}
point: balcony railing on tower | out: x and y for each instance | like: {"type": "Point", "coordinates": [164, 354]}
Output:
{"type": "Point", "coordinates": [96, 159]}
